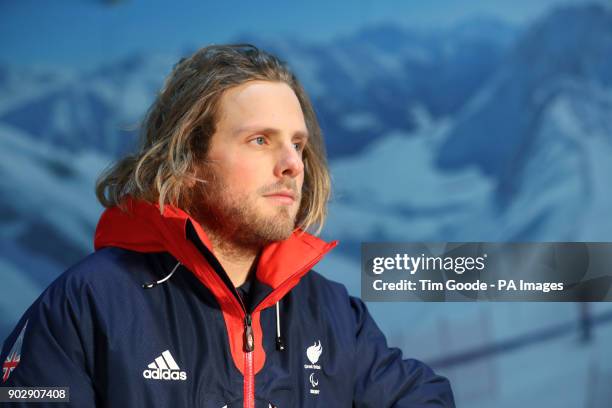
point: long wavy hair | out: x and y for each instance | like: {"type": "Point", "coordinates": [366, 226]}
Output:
{"type": "Point", "coordinates": [176, 132]}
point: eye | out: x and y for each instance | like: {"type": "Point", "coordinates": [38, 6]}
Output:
{"type": "Point", "coordinates": [259, 140]}
{"type": "Point", "coordinates": [299, 146]}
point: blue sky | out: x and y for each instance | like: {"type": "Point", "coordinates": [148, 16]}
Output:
{"type": "Point", "coordinates": [84, 32]}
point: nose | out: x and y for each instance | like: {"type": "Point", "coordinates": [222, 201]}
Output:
{"type": "Point", "coordinates": [290, 163]}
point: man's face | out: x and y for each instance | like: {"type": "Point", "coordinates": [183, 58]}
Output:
{"type": "Point", "coordinates": [254, 165]}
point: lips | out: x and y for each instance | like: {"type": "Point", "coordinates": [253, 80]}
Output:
{"type": "Point", "coordinates": [284, 196]}
{"type": "Point", "coordinates": [285, 193]}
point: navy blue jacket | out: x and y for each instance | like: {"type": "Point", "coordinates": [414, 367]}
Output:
{"type": "Point", "coordinates": [301, 341]}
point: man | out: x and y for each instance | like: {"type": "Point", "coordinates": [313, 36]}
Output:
{"type": "Point", "coordinates": [200, 291]}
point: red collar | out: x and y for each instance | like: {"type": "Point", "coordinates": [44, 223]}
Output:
{"type": "Point", "coordinates": [142, 228]}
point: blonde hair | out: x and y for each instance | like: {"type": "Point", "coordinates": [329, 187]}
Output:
{"type": "Point", "coordinates": [178, 126]}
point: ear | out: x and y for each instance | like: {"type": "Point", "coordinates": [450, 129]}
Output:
{"type": "Point", "coordinates": [190, 180]}
{"type": "Point", "coordinates": [193, 175]}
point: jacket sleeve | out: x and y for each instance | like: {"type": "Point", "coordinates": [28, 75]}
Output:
{"type": "Point", "coordinates": [384, 379]}
{"type": "Point", "coordinates": [55, 348]}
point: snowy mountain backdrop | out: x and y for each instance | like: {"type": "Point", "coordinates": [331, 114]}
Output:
{"type": "Point", "coordinates": [482, 132]}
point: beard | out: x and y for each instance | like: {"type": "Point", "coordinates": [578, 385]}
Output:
{"type": "Point", "coordinates": [234, 219]}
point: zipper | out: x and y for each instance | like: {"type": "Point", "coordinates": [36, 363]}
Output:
{"type": "Point", "coordinates": [249, 375]}
{"type": "Point", "coordinates": [249, 343]}
{"type": "Point", "coordinates": [248, 347]}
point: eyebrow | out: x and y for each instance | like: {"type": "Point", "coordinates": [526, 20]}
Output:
{"type": "Point", "coordinates": [263, 129]}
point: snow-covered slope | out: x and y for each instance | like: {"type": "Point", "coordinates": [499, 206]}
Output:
{"type": "Point", "coordinates": [541, 129]}
{"type": "Point", "coordinates": [99, 110]}
{"type": "Point", "coordinates": [48, 214]}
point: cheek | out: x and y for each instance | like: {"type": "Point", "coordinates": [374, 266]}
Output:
{"type": "Point", "coordinates": [241, 175]}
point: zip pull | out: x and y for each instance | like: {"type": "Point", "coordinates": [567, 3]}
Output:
{"type": "Point", "coordinates": [249, 343]}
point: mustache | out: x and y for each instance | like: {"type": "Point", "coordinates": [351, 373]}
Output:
{"type": "Point", "coordinates": [283, 185]}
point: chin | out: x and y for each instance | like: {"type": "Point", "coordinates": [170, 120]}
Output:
{"type": "Point", "coordinates": [280, 233]}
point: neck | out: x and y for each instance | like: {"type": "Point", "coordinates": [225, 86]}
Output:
{"type": "Point", "coordinates": [237, 260]}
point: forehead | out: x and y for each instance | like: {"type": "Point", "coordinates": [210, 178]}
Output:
{"type": "Point", "coordinates": [260, 103]}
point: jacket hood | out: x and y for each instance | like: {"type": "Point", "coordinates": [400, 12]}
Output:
{"type": "Point", "coordinates": [142, 227]}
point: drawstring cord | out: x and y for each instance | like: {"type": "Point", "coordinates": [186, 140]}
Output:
{"type": "Point", "coordinates": [280, 343]}
{"type": "Point", "coordinates": [153, 284]}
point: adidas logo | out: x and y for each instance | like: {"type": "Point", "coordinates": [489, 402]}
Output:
{"type": "Point", "coordinates": [164, 368]}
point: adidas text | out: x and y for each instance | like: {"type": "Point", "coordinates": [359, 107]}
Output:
{"type": "Point", "coordinates": [160, 374]}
